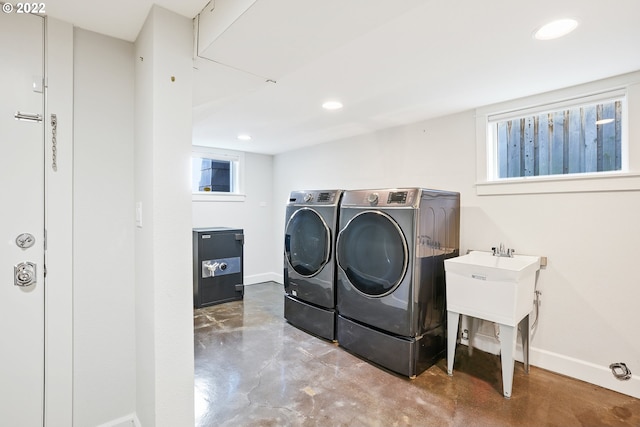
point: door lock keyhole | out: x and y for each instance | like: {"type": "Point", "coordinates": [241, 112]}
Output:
{"type": "Point", "coordinates": [24, 274]}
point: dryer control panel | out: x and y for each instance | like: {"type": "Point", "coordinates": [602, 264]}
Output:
{"type": "Point", "coordinates": [399, 197]}
{"type": "Point", "coordinates": [396, 197]}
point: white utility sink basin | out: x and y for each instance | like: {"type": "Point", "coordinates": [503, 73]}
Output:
{"type": "Point", "coordinates": [498, 289]}
{"type": "Point", "coordinates": [494, 288]}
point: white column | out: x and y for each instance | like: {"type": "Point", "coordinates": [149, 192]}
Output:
{"type": "Point", "coordinates": [164, 295]}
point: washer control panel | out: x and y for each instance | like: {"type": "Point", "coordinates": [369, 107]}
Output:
{"type": "Point", "coordinates": [373, 198]}
{"type": "Point", "coordinates": [321, 197]}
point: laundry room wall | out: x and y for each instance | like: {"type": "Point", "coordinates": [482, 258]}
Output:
{"type": "Point", "coordinates": [104, 346]}
{"type": "Point", "coordinates": [254, 215]}
{"type": "Point", "coordinates": [589, 288]}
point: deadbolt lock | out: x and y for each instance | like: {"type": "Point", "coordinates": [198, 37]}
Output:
{"type": "Point", "coordinates": [25, 240]}
{"type": "Point", "coordinates": [24, 274]}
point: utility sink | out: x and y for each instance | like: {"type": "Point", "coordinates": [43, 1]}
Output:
{"type": "Point", "coordinates": [494, 288]}
{"type": "Point", "coordinates": [498, 289]}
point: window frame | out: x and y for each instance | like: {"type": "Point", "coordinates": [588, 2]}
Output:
{"type": "Point", "coordinates": [237, 174]}
{"type": "Point", "coordinates": [628, 178]}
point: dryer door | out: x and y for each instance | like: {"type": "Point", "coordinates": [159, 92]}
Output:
{"type": "Point", "coordinates": [307, 242]}
{"type": "Point", "coordinates": [373, 253]}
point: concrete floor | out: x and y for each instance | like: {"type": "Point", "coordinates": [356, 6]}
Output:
{"type": "Point", "coordinates": [252, 368]}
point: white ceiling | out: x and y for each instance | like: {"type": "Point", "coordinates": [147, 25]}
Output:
{"type": "Point", "coordinates": [391, 62]}
{"type": "Point", "coordinates": [121, 19]}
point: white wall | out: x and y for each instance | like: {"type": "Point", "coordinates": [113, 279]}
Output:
{"type": "Point", "coordinates": [589, 289]}
{"type": "Point", "coordinates": [163, 289]}
{"type": "Point", "coordinates": [103, 268]}
{"type": "Point", "coordinates": [59, 287]}
{"type": "Point", "coordinates": [144, 290]}
{"type": "Point", "coordinates": [254, 214]}
{"type": "Point", "coordinates": [132, 308]}
{"type": "Point", "coordinates": [409, 156]}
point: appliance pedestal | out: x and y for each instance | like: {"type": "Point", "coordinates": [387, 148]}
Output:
{"type": "Point", "coordinates": [317, 320]}
{"type": "Point", "coordinates": [404, 355]}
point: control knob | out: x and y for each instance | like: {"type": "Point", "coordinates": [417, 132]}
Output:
{"type": "Point", "coordinates": [373, 198]}
{"type": "Point", "coordinates": [308, 197]}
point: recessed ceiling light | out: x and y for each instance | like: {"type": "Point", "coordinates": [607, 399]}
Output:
{"type": "Point", "coordinates": [244, 137]}
{"type": "Point", "coordinates": [604, 121]}
{"type": "Point", "coordinates": [555, 29]}
{"type": "Point", "coordinates": [332, 105]}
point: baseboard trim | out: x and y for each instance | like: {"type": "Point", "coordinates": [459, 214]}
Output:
{"type": "Point", "coordinates": [584, 371]}
{"type": "Point", "coordinates": [565, 365]}
{"type": "Point", "coordinates": [264, 277]}
{"type": "Point", "coordinates": [130, 420]}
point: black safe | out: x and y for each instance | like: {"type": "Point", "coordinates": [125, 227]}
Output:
{"type": "Point", "coordinates": [217, 265]}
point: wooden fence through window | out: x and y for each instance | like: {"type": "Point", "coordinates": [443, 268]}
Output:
{"type": "Point", "coordinates": [577, 140]}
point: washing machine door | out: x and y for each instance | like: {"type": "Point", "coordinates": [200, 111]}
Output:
{"type": "Point", "coordinates": [307, 242]}
{"type": "Point", "coordinates": [373, 253]}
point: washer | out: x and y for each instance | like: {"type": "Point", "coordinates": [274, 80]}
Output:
{"type": "Point", "coordinates": [309, 261]}
{"type": "Point", "coordinates": [390, 276]}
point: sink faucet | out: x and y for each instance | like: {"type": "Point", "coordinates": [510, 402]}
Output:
{"type": "Point", "coordinates": [502, 252]}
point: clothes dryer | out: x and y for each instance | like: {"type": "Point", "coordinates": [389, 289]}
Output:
{"type": "Point", "coordinates": [309, 261]}
{"type": "Point", "coordinates": [390, 277]}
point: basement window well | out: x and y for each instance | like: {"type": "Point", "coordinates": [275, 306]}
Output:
{"type": "Point", "coordinates": [216, 175]}
{"type": "Point", "coordinates": [572, 140]}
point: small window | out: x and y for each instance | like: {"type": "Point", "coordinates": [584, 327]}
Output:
{"type": "Point", "coordinates": [583, 138]}
{"type": "Point", "coordinates": [576, 139]}
{"type": "Point", "coordinates": [214, 175]}
{"type": "Point", "coordinates": [216, 172]}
